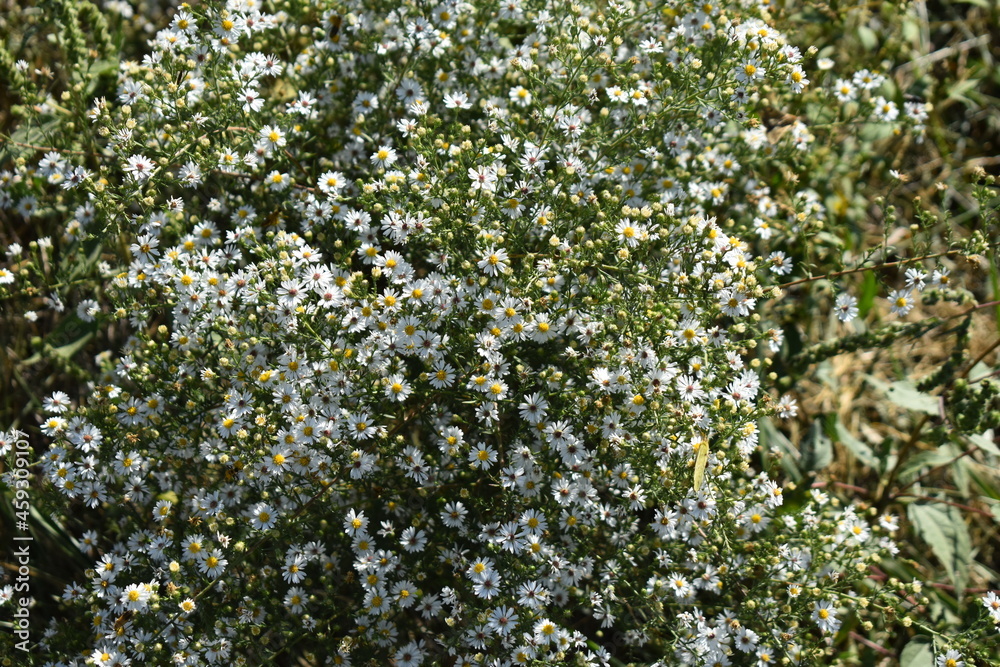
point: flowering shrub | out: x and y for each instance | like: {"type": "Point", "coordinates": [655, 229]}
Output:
{"type": "Point", "coordinates": [447, 334]}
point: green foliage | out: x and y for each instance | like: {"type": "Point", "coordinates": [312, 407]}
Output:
{"type": "Point", "coordinates": [943, 528]}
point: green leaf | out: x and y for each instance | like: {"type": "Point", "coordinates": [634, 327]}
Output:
{"type": "Point", "coordinates": [943, 528]}
{"type": "Point", "coordinates": [876, 131]}
{"type": "Point", "coordinates": [29, 133]}
{"type": "Point", "coordinates": [905, 394]}
{"type": "Point", "coordinates": [869, 289]}
{"type": "Point", "coordinates": [929, 459]}
{"type": "Point", "coordinates": [859, 449]}
{"type": "Point", "coordinates": [816, 448]}
{"type": "Point", "coordinates": [960, 474]}
{"type": "Point", "coordinates": [959, 90]}
{"type": "Point", "coordinates": [911, 31]}
{"type": "Point", "coordinates": [81, 331]}
{"type": "Point", "coordinates": [995, 510]}
{"type": "Point", "coordinates": [828, 239]}
{"type": "Point", "coordinates": [77, 266]}
{"type": "Point", "coordinates": [989, 491]}
{"type": "Point", "coordinates": [979, 370]}
{"type": "Point", "coordinates": [826, 375]}
{"type": "Point", "coordinates": [986, 442]}
{"type": "Point", "coordinates": [57, 534]}
{"type": "Point", "coordinates": [919, 652]}
{"type": "Point", "coordinates": [102, 67]}
{"type": "Point", "coordinates": [68, 351]}
{"type": "Point", "coordinates": [867, 37]}
{"type": "Point", "coordinates": [773, 439]}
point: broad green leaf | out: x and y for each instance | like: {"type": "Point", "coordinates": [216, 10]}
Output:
{"type": "Point", "coordinates": [989, 485]}
{"type": "Point", "coordinates": [905, 394]}
{"type": "Point", "coordinates": [57, 534]}
{"type": "Point", "coordinates": [876, 131]}
{"type": "Point", "coordinates": [79, 265]}
{"type": "Point", "coordinates": [825, 374]}
{"type": "Point", "coordinates": [995, 511]}
{"type": "Point", "coordinates": [867, 37]}
{"type": "Point", "coordinates": [919, 652]}
{"type": "Point", "coordinates": [772, 439]}
{"type": "Point", "coordinates": [828, 239]}
{"type": "Point", "coordinates": [67, 351]}
{"type": "Point", "coordinates": [27, 133]}
{"type": "Point", "coordinates": [960, 467]}
{"type": "Point", "coordinates": [816, 448]}
{"type": "Point", "coordinates": [917, 463]}
{"type": "Point", "coordinates": [97, 70]}
{"type": "Point", "coordinates": [979, 370]}
{"type": "Point", "coordinates": [959, 90]}
{"type": "Point", "coordinates": [986, 442]}
{"type": "Point", "coordinates": [857, 447]}
{"type": "Point", "coordinates": [869, 288]}
{"type": "Point", "coordinates": [943, 528]}
{"type": "Point", "coordinates": [911, 31]}
{"type": "Point", "coordinates": [960, 474]}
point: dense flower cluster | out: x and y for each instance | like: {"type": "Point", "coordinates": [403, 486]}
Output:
{"type": "Point", "coordinates": [447, 345]}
